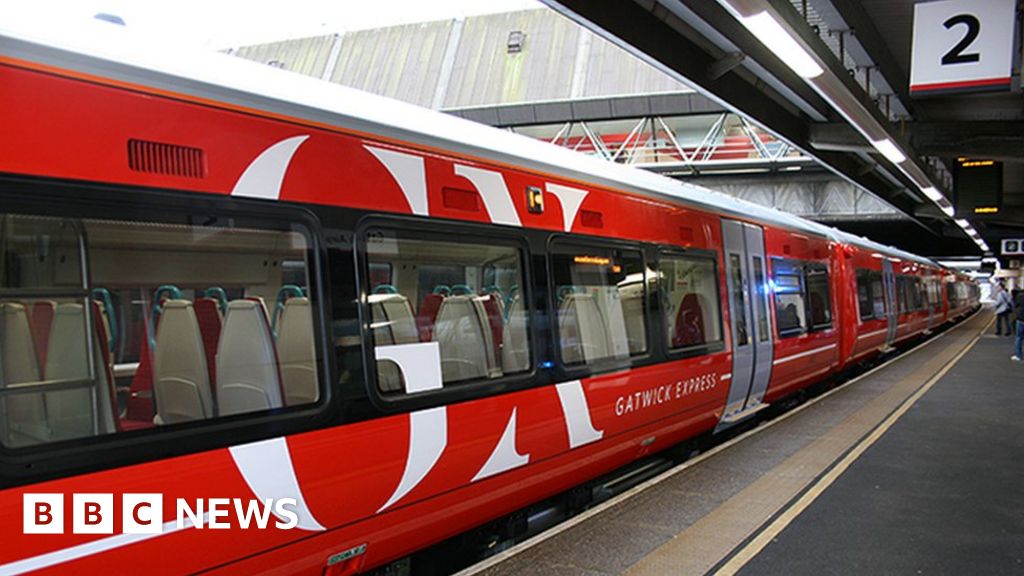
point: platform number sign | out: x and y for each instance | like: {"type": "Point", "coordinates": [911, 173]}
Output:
{"type": "Point", "coordinates": [1013, 247]}
{"type": "Point", "coordinates": [962, 46]}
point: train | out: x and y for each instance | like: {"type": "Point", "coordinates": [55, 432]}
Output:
{"type": "Point", "coordinates": [252, 322]}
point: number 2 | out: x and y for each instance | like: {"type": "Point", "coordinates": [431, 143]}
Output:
{"type": "Point", "coordinates": [956, 54]}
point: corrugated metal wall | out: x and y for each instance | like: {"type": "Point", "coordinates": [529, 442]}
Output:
{"type": "Point", "coordinates": [462, 63]}
{"type": "Point", "coordinates": [402, 62]}
{"type": "Point", "coordinates": [485, 73]}
{"type": "Point", "coordinates": [306, 56]}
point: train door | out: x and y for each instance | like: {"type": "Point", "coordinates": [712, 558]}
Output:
{"type": "Point", "coordinates": [931, 302]}
{"type": "Point", "coordinates": [746, 271]}
{"type": "Point", "coordinates": [891, 304]}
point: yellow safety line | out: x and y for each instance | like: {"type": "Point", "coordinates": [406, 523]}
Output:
{"type": "Point", "coordinates": [747, 553]}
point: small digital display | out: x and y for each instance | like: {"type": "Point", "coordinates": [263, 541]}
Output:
{"type": "Point", "coordinates": [978, 186]}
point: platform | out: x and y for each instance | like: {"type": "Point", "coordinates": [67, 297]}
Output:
{"type": "Point", "coordinates": [914, 467]}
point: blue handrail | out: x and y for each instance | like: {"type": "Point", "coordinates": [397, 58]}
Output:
{"type": "Point", "coordinates": [287, 291]}
{"type": "Point", "coordinates": [218, 294]}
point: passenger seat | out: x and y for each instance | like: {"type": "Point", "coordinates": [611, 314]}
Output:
{"type": "Point", "coordinates": [69, 413]}
{"type": "Point", "coordinates": [582, 330]}
{"type": "Point", "coordinates": [492, 305]}
{"type": "Point", "coordinates": [210, 322]}
{"type": "Point", "coordinates": [247, 373]}
{"type": "Point", "coordinates": [297, 352]}
{"type": "Point", "coordinates": [464, 335]}
{"type": "Point", "coordinates": [427, 315]}
{"type": "Point", "coordinates": [25, 413]}
{"type": "Point", "coordinates": [515, 350]}
{"type": "Point", "coordinates": [181, 384]}
{"type": "Point", "coordinates": [393, 323]}
{"type": "Point", "coordinates": [689, 327]}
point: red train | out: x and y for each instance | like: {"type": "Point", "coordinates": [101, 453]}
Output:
{"type": "Point", "coordinates": [250, 298]}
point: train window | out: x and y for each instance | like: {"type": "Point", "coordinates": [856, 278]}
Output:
{"type": "Point", "coordinates": [380, 273]}
{"type": "Point", "coordinates": [909, 294]}
{"type": "Point", "coordinates": [110, 326]}
{"type": "Point", "coordinates": [689, 286]}
{"type": "Point", "coordinates": [818, 297]}
{"type": "Point", "coordinates": [790, 300]}
{"type": "Point", "coordinates": [760, 307]}
{"type": "Point", "coordinates": [864, 302]}
{"type": "Point", "coordinates": [802, 301]}
{"type": "Point", "coordinates": [877, 294]}
{"type": "Point", "coordinates": [739, 300]}
{"type": "Point", "coordinates": [870, 295]}
{"type": "Point", "coordinates": [463, 297]}
{"type": "Point", "coordinates": [934, 292]}
{"type": "Point", "coordinates": [600, 295]}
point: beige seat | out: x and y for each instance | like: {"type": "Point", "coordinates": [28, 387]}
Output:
{"type": "Point", "coordinates": [515, 348]}
{"type": "Point", "coordinates": [393, 323]}
{"type": "Point", "coordinates": [69, 413]}
{"type": "Point", "coordinates": [582, 330]}
{"type": "Point", "coordinates": [632, 313]}
{"type": "Point", "coordinates": [247, 373]}
{"type": "Point", "coordinates": [296, 352]}
{"type": "Point", "coordinates": [393, 320]}
{"type": "Point", "coordinates": [24, 414]}
{"type": "Point", "coordinates": [181, 381]}
{"type": "Point", "coordinates": [464, 335]}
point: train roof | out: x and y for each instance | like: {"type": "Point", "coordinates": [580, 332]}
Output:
{"type": "Point", "coordinates": [105, 50]}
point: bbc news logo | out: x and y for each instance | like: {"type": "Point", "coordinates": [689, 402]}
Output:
{"type": "Point", "coordinates": [144, 514]}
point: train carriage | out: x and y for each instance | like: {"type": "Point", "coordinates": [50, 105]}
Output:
{"type": "Point", "coordinates": [224, 281]}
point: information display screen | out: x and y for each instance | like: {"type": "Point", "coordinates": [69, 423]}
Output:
{"type": "Point", "coordinates": [978, 186]}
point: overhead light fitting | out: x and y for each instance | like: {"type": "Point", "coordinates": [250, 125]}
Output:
{"type": "Point", "coordinates": [932, 193]}
{"type": "Point", "coordinates": [775, 33]}
{"type": "Point", "coordinates": [962, 223]}
{"type": "Point", "coordinates": [768, 30]}
{"type": "Point", "coordinates": [890, 150]}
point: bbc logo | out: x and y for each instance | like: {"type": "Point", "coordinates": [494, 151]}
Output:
{"type": "Point", "coordinates": [92, 513]}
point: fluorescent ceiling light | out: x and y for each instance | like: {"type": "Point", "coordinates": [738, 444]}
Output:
{"type": "Point", "coordinates": [889, 149]}
{"type": "Point", "coordinates": [963, 223]}
{"type": "Point", "coordinates": [932, 193]}
{"type": "Point", "coordinates": [768, 30]}
{"type": "Point", "coordinates": [948, 209]}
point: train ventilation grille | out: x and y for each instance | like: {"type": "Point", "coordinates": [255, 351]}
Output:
{"type": "Point", "coordinates": [167, 159]}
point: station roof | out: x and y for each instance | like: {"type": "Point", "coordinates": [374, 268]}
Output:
{"type": "Point", "coordinates": [864, 47]}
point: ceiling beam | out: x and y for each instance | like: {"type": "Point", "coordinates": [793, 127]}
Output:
{"type": "Point", "coordinates": [650, 29]}
{"type": "Point", "coordinates": [857, 18]}
{"type": "Point", "coordinates": [990, 139]}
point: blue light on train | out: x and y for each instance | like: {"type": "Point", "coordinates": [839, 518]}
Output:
{"type": "Point", "coordinates": [546, 365]}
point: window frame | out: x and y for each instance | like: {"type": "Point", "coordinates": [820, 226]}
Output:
{"type": "Point", "coordinates": [811, 328]}
{"type": "Point", "coordinates": [865, 274]}
{"type": "Point", "coordinates": [696, 349]}
{"type": "Point", "coordinates": [871, 276]}
{"type": "Point", "coordinates": [793, 266]}
{"type": "Point", "coordinates": [105, 201]}
{"type": "Point", "coordinates": [655, 342]}
{"type": "Point", "coordinates": [435, 229]}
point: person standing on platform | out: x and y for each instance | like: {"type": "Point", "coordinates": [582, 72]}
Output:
{"type": "Point", "coordinates": [1018, 315]}
{"type": "Point", "coordinates": [1004, 311]}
